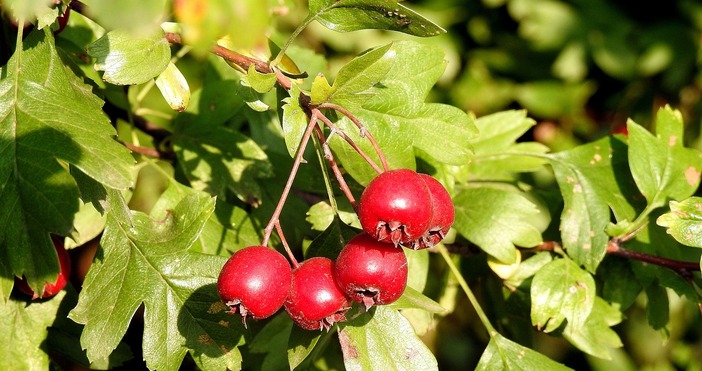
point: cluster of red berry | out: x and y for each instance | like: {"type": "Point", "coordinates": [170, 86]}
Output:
{"type": "Point", "coordinates": [399, 207]}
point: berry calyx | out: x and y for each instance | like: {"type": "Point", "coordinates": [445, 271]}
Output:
{"type": "Point", "coordinates": [371, 272]}
{"type": "Point", "coordinates": [315, 302]}
{"type": "Point", "coordinates": [442, 216]}
{"type": "Point", "coordinates": [254, 282]}
{"type": "Point", "coordinates": [51, 289]}
{"type": "Point", "coordinates": [396, 207]}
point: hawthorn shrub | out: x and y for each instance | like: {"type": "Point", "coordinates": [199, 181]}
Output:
{"type": "Point", "coordinates": [155, 139]}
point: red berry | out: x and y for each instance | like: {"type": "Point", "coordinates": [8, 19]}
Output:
{"type": "Point", "coordinates": [255, 282]}
{"type": "Point", "coordinates": [442, 216]}
{"type": "Point", "coordinates": [315, 302]}
{"type": "Point", "coordinates": [371, 272]}
{"type": "Point", "coordinates": [396, 207]}
{"type": "Point", "coordinates": [51, 289]}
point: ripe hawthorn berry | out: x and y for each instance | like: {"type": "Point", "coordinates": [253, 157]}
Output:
{"type": "Point", "coordinates": [442, 216]}
{"type": "Point", "coordinates": [371, 272]}
{"type": "Point", "coordinates": [255, 282]}
{"type": "Point", "coordinates": [396, 207]}
{"type": "Point", "coordinates": [315, 302]}
{"type": "Point", "coordinates": [51, 289]}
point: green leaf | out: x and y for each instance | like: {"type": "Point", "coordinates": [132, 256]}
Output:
{"type": "Point", "coordinates": [321, 90]}
{"type": "Point", "coordinates": [353, 15]}
{"type": "Point", "coordinates": [561, 291]}
{"type": "Point", "coordinates": [174, 87]}
{"type": "Point", "coordinates": [356, 80]}
{"type": "Point", "coordinates": [149, 263]}
{"type": "Point", "coordinates": [413, 299]}
{"type": "Point", "coordinates": [497, 153]}
{"type": "Point", "coordinates": [260, 82]}
{"type": "Point", "coordinates": [272, 341]}
{"type": "Point", "coordinates": [129, 59]}
{"type": "Point", "coordinates": [496, 220]}
{"type": "Point", "coordinates": [661, 166]}
{"type": "Point", "coordinates": [504, 354]}
{"type": "Point", "coordinates": [302, 343]}
{"type": "Point", "coordinates": [295, 121]}
{"type": "Point", "coordinates": [657, 308]}
{"type": "Point", "coordinates": [330, 242]}
{"type": "Point", "coordinates": [321, 214]}
{"type": "Point", "coordinates": [23, 329]}
{"type": "Point", "coordinates": [220, 160]}
{"type": "Point", "coordinates": [383, 340]}
{"type": "Point", "coordinates": [595, 336]}
{"type": "Point", "coordinates": [48, 118]}
{"type": "Point", "coordinates": [592, 178]}
{"type": "Point", "coordinates": [684, 221]}
{"type": "Point", "coordinates": [395, 113]}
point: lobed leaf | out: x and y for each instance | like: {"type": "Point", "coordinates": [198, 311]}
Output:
{"type": "Point", "coordinates": [48, 118]}
{"type": "Point", "coordinates": [383, 340]}
{"type": "Point", "coordinates": [393, 110]}
{"type": "Point", "coordinates": [595, 336]}
{"type": "Point", "coordinates": [592, 178]}
{"type": "Point", "coordinates": [353, 15]}
{"type": "Point", "coordinates": [128, 58]}
{"type": "Point", "coordinates": [294, 121]}
{"type": "Point", "coordinates": [148, 263]}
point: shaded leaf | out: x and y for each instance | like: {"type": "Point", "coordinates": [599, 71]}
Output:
{"type": "Point", "coordinates": [330, 242]}
{"type": "Point", "coordinates": [496, 220]}
{"type": "Point", "coordinates": [353, 15]}
{"type": "Point", "coordinates": [23, 329]}
{"type": "Point", "coordinates": [48, 117]}
{"type": "Point", "coordinates": [272, 341]}
{"type": "Point", "coordinates": [129, 59]}
{"type": "Point", "coordinates": [182, 310]}
{"type": "Point", "coordinates": [383, 340]}
{"type": "Point", "coordinates": [561, 291]}
{"type": "Point", "coordinates": [504, 354]}
{"type": "Point", "coordinates": [592, 178]}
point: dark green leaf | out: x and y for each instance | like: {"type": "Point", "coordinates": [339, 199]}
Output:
{"type": "Point", "coordinates": [561, 291]}
{"type": "Point", "coordinates": [593, 178]}
{"type": "Point", "coordinates": [272, 341]}
{"type": "Point", "coordinates": [383, 340]}
{"type": "Point", "coordinates": [301, 343]}
{"type": "Point", "coordinates": [660, 165]}
{"type": "Point", "coordinates": [504, 354]}
{"type": "Point", "coordinates": [353, 15]}
{"type": "Point", "coordinates": [684, 221]}
{"type": "Point", "coordinates": [330, 242]}
{"type": "Point", "coordinates": [129, 59]}
{"type": "Point", "coordinates": [496, 220]}
{"type": "Point", "coordinates": [149, 263]}
{"type": "Point", "coordinates": [23, 329]}
{"type": "Point", "coordinates": [48, 118]}
{"type": "Point", "coordinates": [657, 307]}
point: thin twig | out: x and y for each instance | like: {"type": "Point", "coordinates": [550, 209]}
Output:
{"type": "Point", "coordinates": [281, 235]}
{"type": "Point", "coordinates": [364, 131]}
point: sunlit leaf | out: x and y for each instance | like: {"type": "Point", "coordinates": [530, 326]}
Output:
{"type": "Point", "coordinates": [684, 221]}
{"type": "Point", "coordinates": [174, 88]}
{"type": "Point", "coordinates": [504, 354]}
{"type": "Point", "coordinates": [130, 59]}
{"type": "Point", "coordinates": [352, 15]}
{"type": "Point", "coordinates": [383, 340]}
{"type": "Point", "coordinates": [48, 118]}
{"type": "Point", "coordinates": [149, 264]}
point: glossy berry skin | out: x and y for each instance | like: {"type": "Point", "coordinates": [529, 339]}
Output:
{"type": "Point", "coordinates": [254, 282]}
{"type": "Point", "coordinates": [442, 216]}
{"type": "Point", "coordinates": [371, 272]}
{"type": "Point", "coordinates": [315, 302]}
{"type": "Point", "coordinates": [396, 207]}
{"type": "Point", "coordinates": [51, 289]}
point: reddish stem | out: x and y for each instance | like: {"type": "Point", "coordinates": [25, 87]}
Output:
{"type": "Point", "coordinates": [275, 218]}
{"type": "Point", "coordinates": [291, 256]}
{"type": "Point", "coordinates": [364, 131]}
{"type": "Point", "coordinates": [337, 131]}
{"type": "Point", "coordinates": [335, 168]}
